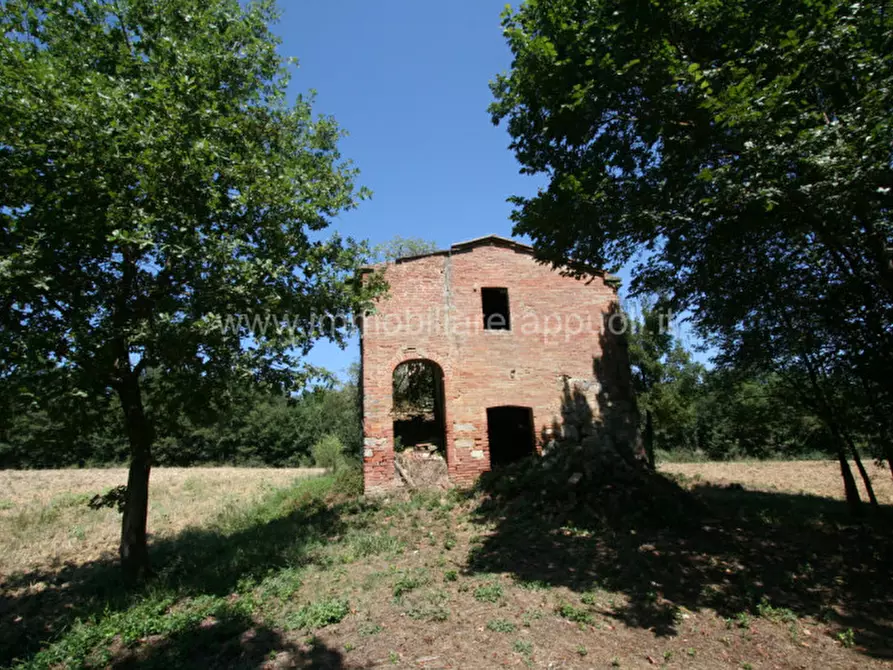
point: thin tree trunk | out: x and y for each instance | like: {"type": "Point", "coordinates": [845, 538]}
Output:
{"type": "Point", "coordinates": [826, 412]}
{"type": "Point", "coordinates": [866, 480]}
{"type": "Point", "coordinates": [649, 439]}
{"type": "Point", "coordinates": [133, 550]}
{"type": "Point", "coordinates": [849, 483]}
{"type": "Point", "coordinates": [886, 446]}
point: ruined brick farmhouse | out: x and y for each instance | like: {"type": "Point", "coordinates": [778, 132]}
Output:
{"type": "Point", "coordinates": [521, 356]}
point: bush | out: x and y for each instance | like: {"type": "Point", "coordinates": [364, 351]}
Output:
{"type": "Point", "coordinates": [348, 478]}
{"type": "Point", "coordinates": [328, 452]}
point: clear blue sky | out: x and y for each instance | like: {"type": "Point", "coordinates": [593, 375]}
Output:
{"type": "Point", "coordinates": [408, 80]}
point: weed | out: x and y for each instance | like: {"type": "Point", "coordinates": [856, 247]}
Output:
{"type": "Point", "coordinates": [394, 658]}
{"type": "Point", "coordinates": [589, 598]}
{"type": "Point", "coordinates": [742, 620]}
{"type": "Point", "coordinates": [281, 585]}
{"type": "Point", "coordinates": [775, 614]}
{"type": "Point", "coordinates": [491, 592]}
{"type": "Point", "coordinates": [317, 615]}
{"type": "Point", "coordinates": [348, 647]}
{"type": "Point", "coordinates": [615, 662]}
{"type": "Point", "coordinates": [428, 612]}
{"type": "Point", "coordinates": [365, 544]}
{"type": "Point", "coordinates": [582, 651]}
{"type": "Point", "coordinates": [501, 626]}
{"type": "Point", "coordinates": [368, 628]}
{"type": "Point", "coordinates": [533, 584]}
{"type": "Point", "coordinates": [408, 582]}
{"type": "Point", "coordinates": [450, 576]}
{"type": "Point", "coordinates": [575, 614]}
{"type": "Point", "coordinates": [523, 647]}
{"type": "Point", "coordinates": [847, 638]}
{"type": "Point", "coordinates": [529, 617]}
{"type": "Point", "coordinates": [449, 542]}
{"type": "Point", "coordinates": [668, 655]}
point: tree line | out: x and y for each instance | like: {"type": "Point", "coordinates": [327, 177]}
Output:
{"type": "Point", "coordinates": [692, 411]}
{"type": "Point", "coordinates": [247, 425]}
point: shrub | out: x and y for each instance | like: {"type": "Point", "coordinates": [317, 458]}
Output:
{"type": "Point", "coordinates": [348, 479]}
{"type": "Point", "coordinates": [328, 452]}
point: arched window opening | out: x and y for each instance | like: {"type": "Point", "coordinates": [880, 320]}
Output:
{"type": "Point", "coordinates": [419, 416]}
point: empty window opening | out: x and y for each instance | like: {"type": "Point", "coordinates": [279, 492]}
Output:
{"type": "Point", "coordinates": [510, 433]}
{"type": "Point", "coordinates": [419, 406]}
{"type": "Point", "coordinates": [495, 302]}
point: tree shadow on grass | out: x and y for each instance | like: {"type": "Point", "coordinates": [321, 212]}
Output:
{"type": "Point", "coordinates": [230, 641]}
{"type": "Point", "coordinates": [734, 551]}
{"type": "Point", "coordinates": [38, 606]}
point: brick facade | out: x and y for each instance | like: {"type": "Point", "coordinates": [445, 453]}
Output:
{"type": "Point", "coordinates": [558, 358]}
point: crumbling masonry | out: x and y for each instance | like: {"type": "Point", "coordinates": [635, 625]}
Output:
{"type": "Point", "coordinates": [522, 357]}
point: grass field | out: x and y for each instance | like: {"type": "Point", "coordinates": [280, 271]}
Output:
{"type": "Point", "coordinates": [816, 478]}
{"type": "Point", "coordinates": [256, 568]}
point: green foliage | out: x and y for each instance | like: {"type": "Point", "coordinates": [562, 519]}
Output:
{"type": "Point", "coordinates": [524, 647]}
{"type": "Point", "coordinates": [249, 426]}
{"type": "Point", "coordinates": [491, 592]}
{"type": "Point", "coordinates": [501, 626]}
{"type": "Point", "coordinates": [402, 247]}
{"type": "Point", "coordinates": [349, 479]}
{"type": "Point", "coordinates": [847, 638]}
{"type": "Point", "coordinates": [409, 582]}
{"type": "Point", "coordinates": [691, 413]}
{"type": "Point", "coordinates": [318, 615]}
{"type": "Point", "coordinates": [114, 498]}
{"type": "Point", "coordinates": [163, 203]}
{"type": "Point", "coordinates": [328, 452]}
{"type": "Point", "coordinates": [575, 614]}
{"type": "Point", "coordinates": [743, 173]}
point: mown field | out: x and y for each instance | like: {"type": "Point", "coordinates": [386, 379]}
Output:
{"type": "Point", "coordinates": [274, 569]}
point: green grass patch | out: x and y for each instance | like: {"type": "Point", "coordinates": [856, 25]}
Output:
{"type": "Point", "coordinates": [317, 615]}
{"type": "Point", "coordinates": [575, 614]}
{"type": "Point", "coordinates": [501, 626]}
{"type": "Point", "coordinates": [491, 592]}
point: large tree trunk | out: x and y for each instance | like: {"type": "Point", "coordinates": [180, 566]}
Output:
{"type": "Point", "coordinates": [133, 550]}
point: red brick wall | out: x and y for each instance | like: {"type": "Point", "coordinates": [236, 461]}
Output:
{"type": "Point", "coordinates": [434, 311]}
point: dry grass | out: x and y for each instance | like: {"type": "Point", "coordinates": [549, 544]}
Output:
{"type": "Point", "coordinates": [819, 478]}
{"type": "Point", "coordinates": [45, 521]}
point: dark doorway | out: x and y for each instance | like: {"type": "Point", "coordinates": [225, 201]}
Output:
{"type": "Point", "coordinates": [419, 406]}
{"type": "Point", "coordinates": [510, 432]}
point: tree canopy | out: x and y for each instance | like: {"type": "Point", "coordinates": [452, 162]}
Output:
{"type": "Point", "coordinates": [738, 155]}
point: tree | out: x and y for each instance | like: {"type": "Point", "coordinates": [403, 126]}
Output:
{"type": "Point", "coordinates": [742, 170]}
{"type": "Point", "coordinates": [155, 182]}
{"type": "Point", "coordinates": [665, 379]}
{"type": "Point", "coordinates": [402, 247]}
